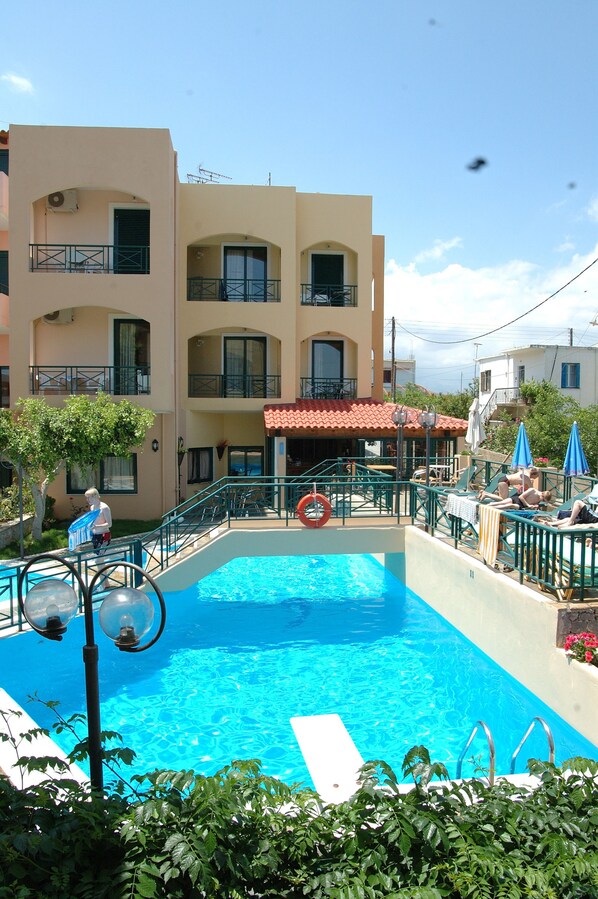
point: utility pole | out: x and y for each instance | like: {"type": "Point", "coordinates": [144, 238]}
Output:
{"type": "Point", "coordinates": [393, 367]}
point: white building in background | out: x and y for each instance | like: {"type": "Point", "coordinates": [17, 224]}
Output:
{"type": "Point", "coordinates": [404, 374]}
{"type": "Point", "coordinates": [572, 369]}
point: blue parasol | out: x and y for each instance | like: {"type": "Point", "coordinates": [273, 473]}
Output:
{"type": "Point", "coordinates": [575, 460]}
{"type": "Point", "coordinates": [522, 455]}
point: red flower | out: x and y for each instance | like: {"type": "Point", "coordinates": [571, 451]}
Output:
{"type": "Point", "coordinates": [589, 657]}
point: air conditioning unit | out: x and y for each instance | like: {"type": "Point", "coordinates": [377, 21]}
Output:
{"type": "Point", "coordinates": [62, 201]}
{"type": "Point", "coordinates": [60, 317]}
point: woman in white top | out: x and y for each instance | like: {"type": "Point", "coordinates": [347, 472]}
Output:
{"type": "Point", "coordinates": [100, 532]}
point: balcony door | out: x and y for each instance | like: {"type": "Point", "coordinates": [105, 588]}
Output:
{"type": "Point", "coordinates": [244, 366]}
{"type": "Point", "coordinates": [327, 361]}
{"type": "Point", "coordinates": [131, 356]}
{"type": "Point", "coordinates": [131, 241]}
{"type": "Point", "coordinates": [327, 270]}
{"type": "Point", "coordinates": [245, 274]}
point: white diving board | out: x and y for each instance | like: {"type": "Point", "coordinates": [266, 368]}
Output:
{"type": "Point", "coordinates": [330, 754]}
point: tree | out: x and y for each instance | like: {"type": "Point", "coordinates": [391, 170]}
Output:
{"type": "Point", "coordinates": [548, 422]}
{"type": "Point", "coordinates": [454, 404]}
{"type": "Point", "coordinates": [43, 438]}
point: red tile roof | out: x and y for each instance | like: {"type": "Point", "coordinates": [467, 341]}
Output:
{"type": "Point", "coordinates": [349, 418]}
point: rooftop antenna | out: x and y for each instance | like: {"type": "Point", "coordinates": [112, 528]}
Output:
{"type": "Point", "coordinates": [205, 176]}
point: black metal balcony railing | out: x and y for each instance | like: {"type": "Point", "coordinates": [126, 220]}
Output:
{"type": "Point", "coordinates": [4, 387]}
{"type": "Point", "coordinates": [257, 386]}
{"type": "Point", "coordinates": [328, 388]}
{"type": "Point", "coordinates": [233, 290]}
{"type": "Point", "coordinates": [121, 380]}
{"type": "Point", "coordinates": [4, 288]}
{"type": "Point", "coordinates": [328, 295]}
{"type": "Point", "coordinates": [89, 259]}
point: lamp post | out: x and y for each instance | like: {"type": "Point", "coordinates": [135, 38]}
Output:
{"type": "Point", "coordinates": [427, 419]}
{"type": "Point", "coordinates": [400, 417]}
{"type": "Point", "coordinates": [126, 616]}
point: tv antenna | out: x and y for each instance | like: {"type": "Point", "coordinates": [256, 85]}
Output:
{"type": "Point", "coordinates": [205, 176]}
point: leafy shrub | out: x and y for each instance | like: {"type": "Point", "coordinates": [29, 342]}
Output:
{"type": "Point", "coordinates": [9, 502]}
{"type": "Point", "coordinates": [241, 834]}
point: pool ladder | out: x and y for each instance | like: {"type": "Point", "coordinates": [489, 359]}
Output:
{"type": "Point", "coordinates": [492, 750]}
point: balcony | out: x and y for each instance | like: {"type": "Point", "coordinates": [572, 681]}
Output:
{"type": "Point", "coordinates": [66, 380]}
{"type": "Point", "coordinates": [89, 259]}
{"type": "Point", "coordinates": [328, 388]}
{"type": "Point", "coordinates": [328, 295]}
{"type": "Point", "coordinates": [221, 386]}
{"type": "Point", "coordinates": [233, 290]}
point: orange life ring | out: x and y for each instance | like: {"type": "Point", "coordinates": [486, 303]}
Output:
{"type": "Point", "coordinates": [314, 510]}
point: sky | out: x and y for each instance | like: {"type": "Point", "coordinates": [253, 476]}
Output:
{"type": "Point", "coordinates": [391, 98]}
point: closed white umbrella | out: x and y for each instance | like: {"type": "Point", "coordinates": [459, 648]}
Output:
{"type": "Point", "coordinates": [475, 428]}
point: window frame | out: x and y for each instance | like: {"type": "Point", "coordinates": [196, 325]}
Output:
{"type": "Point", "coordinates": [486, 381]}
{"type": "Point", "coordinates": [194, 461]}
{"type": "Point", "coordinates": [99, 475]}
{"type": "Point", "coordinates": [570, 371]}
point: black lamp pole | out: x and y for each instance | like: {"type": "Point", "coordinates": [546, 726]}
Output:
{"type": "Point", "coordinates": [427, 419]}
{"type": "Point", "coordinates": [400, 417]}
{"type": "Point", "coordinates": [126, 615]}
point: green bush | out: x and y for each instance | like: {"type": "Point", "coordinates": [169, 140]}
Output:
{"type": "Point", "coordinates": [241, 834]}
{"type": "Point", "coordinates": [9, 502]}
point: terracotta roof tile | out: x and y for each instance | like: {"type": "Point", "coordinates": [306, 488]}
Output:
{"type": "Point", "coordinates": [364, 417]}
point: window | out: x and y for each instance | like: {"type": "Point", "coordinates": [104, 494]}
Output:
{"type": "Point", "coordinates": [486, 381]}
{"type": "Point", "coordinates": [4, 271]}
{"type": "Point", "coordinates": [245, 366]}
{"type": "Point", "coordinates": [246, 461]}
{"type": "Point", "coordinates": [131, 241]}
{"type": "Point", "coordinates": [570, 374]}
{"type": "Point", "coordinates": [131, 356]}
{"type": "Point", "coordinates": [113, 475]}
{"type": "Point", "coordinates": [200, 464]}
{"type": "Point", "coordinates": [521, 374]}
{"type": "Point", "coordinates": [245, 274]}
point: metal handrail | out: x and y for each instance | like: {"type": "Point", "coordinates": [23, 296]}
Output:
{"type": "Point", "coordinates": [490, 739]}
{"type": "Point", "coordinates": [223, 386]}
{"type": "Point", "coordinates": [122, 380]}
{"type": "Point", "coordinates": [328, 294]}
{"type": "Point", "coordinates": [234, 290]}
{"type": "Point", "coordinates": [549, 737]}
{"type": "Point", "coordinates": [89, 258]}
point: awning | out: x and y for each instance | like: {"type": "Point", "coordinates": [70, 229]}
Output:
{"type": "Point", "coordinates": [369, 419]}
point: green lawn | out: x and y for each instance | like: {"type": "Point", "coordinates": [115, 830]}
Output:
{"type": "Point", "coordinates": [57, 537]}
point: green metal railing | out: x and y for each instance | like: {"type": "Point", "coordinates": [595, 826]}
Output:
{"type": "Point", "coordinates": [233, 290]}
{"type": "Point", "coordinates": [329, 388]}
{"type": "Point", "coordinates": [328, 295]}
{"type": "Point", "coordinates": [121, 380]}
{"type": "Point", "coordinates": [563, 562]}
{"type": "Point", "coordinates": [262, 386]}
{"type": "Point", "coordinates": [90, 258]}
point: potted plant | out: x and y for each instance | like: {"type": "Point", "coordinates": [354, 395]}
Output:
{"type": "Point", "coordinates": [220, 447]}
{"type": "Point", "coordinates": [583, 647]}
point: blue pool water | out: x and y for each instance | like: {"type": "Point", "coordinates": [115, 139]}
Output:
{"type": "Point", "coordinates": [263, 640]}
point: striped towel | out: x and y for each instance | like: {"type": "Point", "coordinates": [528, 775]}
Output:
{"type": "Point", "coordinates": [80, 530]}
{"type": "Point", "coordinates": [489, 533]}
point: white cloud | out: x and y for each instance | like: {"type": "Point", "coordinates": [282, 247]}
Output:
{"type": "Point", "coordinates": [19, 84]}
{"type": "Point", "coordinates": [439, 250]}
{"type": "Point", "coordinates": [446, 312]}
{"type": "Point", "coordinates": [593, 210]}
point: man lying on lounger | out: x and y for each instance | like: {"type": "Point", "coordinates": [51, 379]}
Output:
{"type": "Point", "coordinates": [529, 499]}
{"type": "Point", "coordinates": [580, 513]}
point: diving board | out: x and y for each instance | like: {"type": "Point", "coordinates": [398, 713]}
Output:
{"type": "Point", "coordinates": [330, 754]}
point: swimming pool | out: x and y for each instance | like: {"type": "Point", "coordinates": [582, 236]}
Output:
{"type": "Point", "coordinates": [263, 640]}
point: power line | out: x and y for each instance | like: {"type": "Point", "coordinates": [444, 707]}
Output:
{"type": "Point", "coordinates": [513, 320]}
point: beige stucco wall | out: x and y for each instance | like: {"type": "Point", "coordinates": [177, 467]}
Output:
{"type": "Point", "coordinates": [105, 166]}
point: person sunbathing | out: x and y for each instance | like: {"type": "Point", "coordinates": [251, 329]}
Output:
{"type": "Point", "coordinates": [529, 499]}
{"type": "Point", "coordinates": [517, 480]}
{"type": "Point", "coordinates": [580, 515]}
